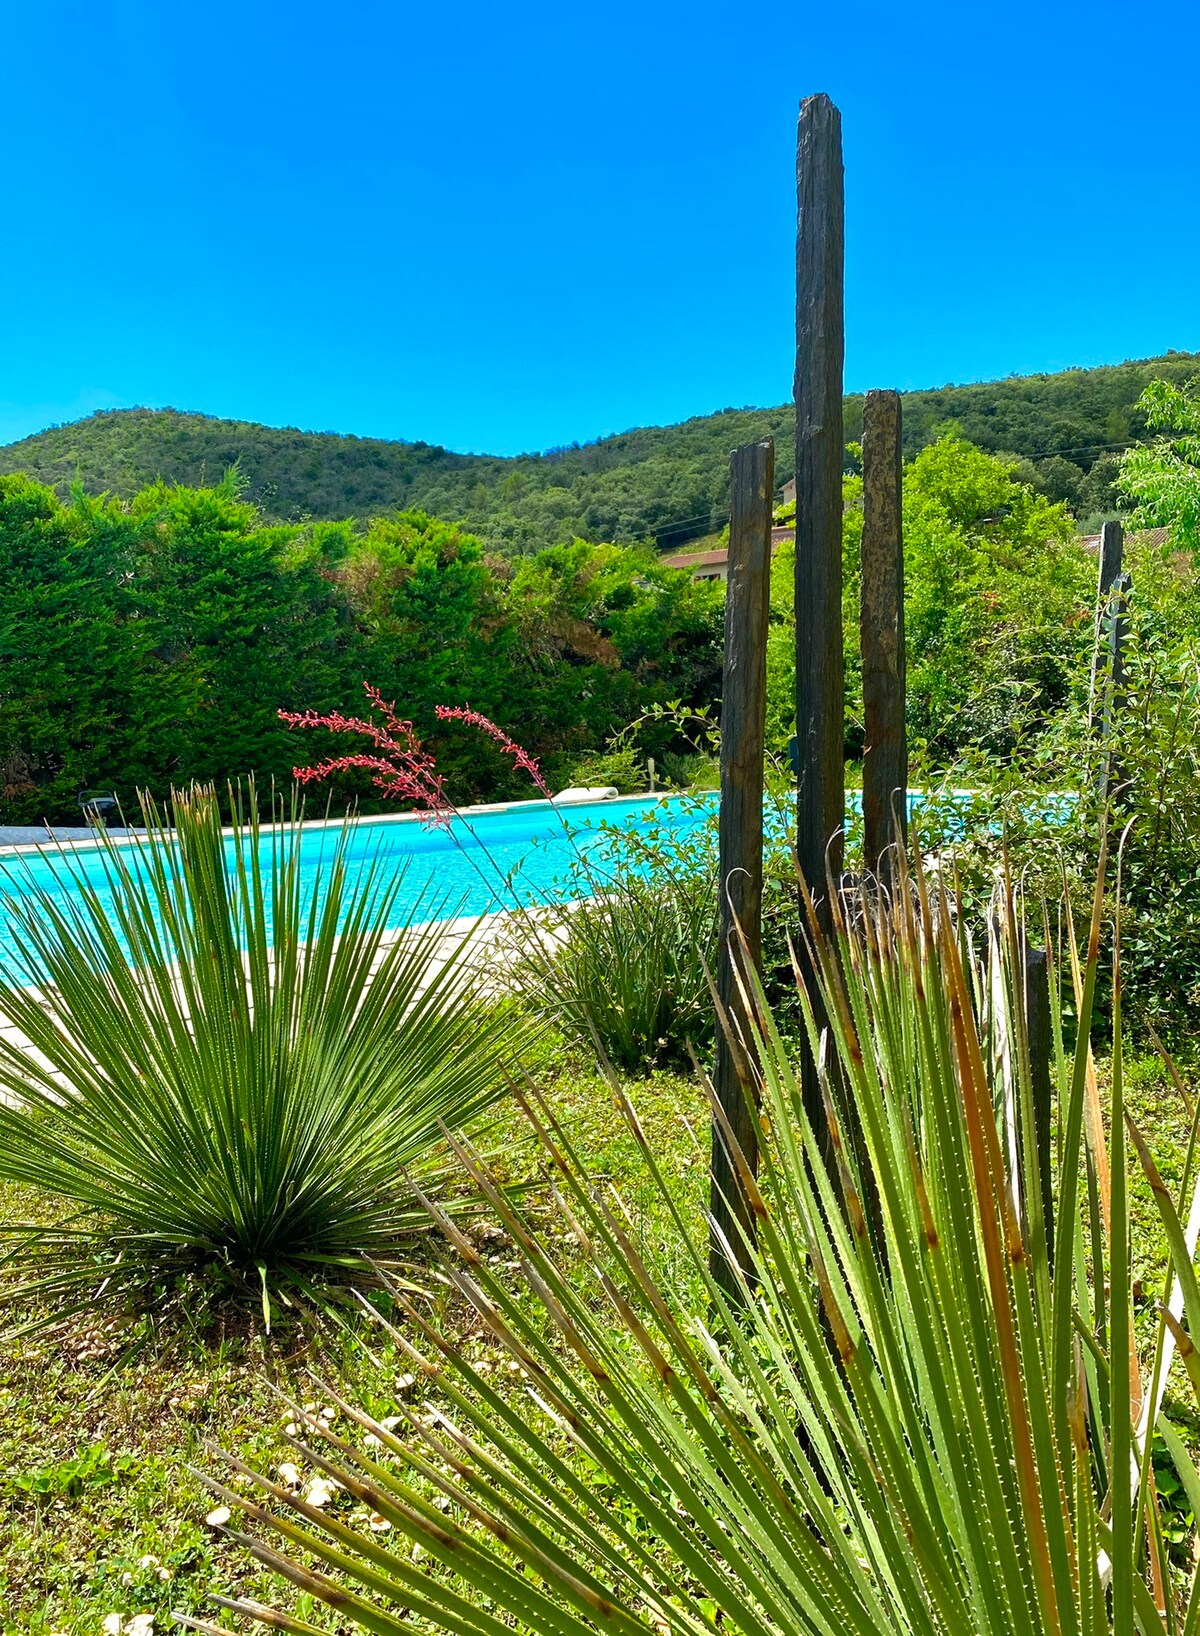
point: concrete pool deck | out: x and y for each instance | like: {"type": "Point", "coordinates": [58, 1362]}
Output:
{"type": "Point", "coordinates": [24, 837]}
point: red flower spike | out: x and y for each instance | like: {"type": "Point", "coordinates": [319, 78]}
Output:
{"type": "Point", "coordinates": [475, 718]}
{"type": "Point", "coordinates": [402, 768]}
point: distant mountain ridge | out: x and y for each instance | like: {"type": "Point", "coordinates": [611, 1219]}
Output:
{"type": "Point", "coordinates": [664, 482]}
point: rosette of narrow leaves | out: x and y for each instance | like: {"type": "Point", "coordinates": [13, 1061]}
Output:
{"type": "Point", "coordinates": [235, 1065]}
{"type": "Point", "coordinates": [624, 974]}
{"type": "Point", "coordinates": [915, 1418]}
{"type": "Point", "coordinates": [621, 966]}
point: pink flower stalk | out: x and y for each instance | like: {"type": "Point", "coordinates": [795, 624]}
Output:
{"type": "Point", "coordinates": [475, 718]}
{"type": "Point", "coordinates": [401, 767]}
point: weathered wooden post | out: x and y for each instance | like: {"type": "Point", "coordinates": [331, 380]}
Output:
{"type": "Point", "coordinates": [820, 725]}
{"type": "Point", "coordinates": [1117, 591]}
{"type": "Point", "coordinates": [1110, 603]}
{"type": "Point", "coordinates": [820, 454]}
{"type": "Point", "coordinates": [1108, 662]}
{"type": "Point", "coordinates": [740, 846]}
{"type": "Point", "coordinates": [881, 628]}
{"type": "Point", "coordinates": [1112, 550]}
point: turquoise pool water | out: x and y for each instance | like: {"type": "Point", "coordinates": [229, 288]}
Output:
{"type": "Point", "coordinates": [524, 854]}
{"type": "Point", "coordinates": [488, 860]}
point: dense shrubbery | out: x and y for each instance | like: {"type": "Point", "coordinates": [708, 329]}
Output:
{"type": "Point", "coordinates": [1163, 477]}
{"type": "Point", "coordinates": [1036, 661]}
{"type": "Point", "coordinates": [153, 641]}
{"type": "Point", "coordinates": [1153, 778]}
{"type": "Point", "coordinates": [997, 606]}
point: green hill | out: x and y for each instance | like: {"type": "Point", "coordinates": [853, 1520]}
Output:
{"type": "Point", "coordinates": [665, 482]}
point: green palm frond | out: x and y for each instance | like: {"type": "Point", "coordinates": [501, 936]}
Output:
{"type": "Point", "coordinates": [231, 1068]}
{"type": "Point", "coordinates": [914, 1423]}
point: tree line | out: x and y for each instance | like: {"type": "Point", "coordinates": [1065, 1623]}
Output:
{"type": "Point", "coordinates": [151, 641]}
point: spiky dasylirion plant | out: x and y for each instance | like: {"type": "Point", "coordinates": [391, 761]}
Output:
{"type": "Point", "coordinates": [918, 1419]}
{"type": "Point", "coordinates": [241, 1069]}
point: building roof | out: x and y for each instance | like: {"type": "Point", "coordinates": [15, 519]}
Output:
{"type": "Point", "coordinates": [699, 560]}
{"type": "Point", "coordinates": [696, 559]}
{"type": "Point", "coordinates": [1149, 536]}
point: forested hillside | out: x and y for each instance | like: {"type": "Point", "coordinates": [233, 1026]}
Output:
{"type": "Point", "coordinates": [667, 483]}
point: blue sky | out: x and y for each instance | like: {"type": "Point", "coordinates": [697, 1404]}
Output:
{"type": "Point", "coordinates": [504, 227]}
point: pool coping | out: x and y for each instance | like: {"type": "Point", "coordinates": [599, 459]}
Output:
{"type": "Point", "coordinates": [18, 849]}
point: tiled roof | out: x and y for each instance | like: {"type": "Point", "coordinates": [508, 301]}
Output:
{"type": "Point", "coordinates": [1149, 536]}
{"type": "Point", "coordinates": [717, 559]}
{"type": "Point", "coordinates": [696, 559]}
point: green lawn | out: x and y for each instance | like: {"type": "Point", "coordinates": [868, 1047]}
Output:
{"type": "Point", "coordinates": [99, 1514]}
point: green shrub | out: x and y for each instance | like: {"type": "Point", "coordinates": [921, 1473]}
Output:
{"type": "Point", "coordinates": [691, 772]}
{"type": "Point", "coordinates": [622, 769]}
{"type": "Point", "coordinates": [230, 1074]}
{"type": "Point", "coordinates": [911, 1419]}
{"type": "Point", "coordinates": [1049, 798]}
{"type": "Point", "coordinates": [624, 974]}
{"type": "Point", "coordinates": [618, 958]}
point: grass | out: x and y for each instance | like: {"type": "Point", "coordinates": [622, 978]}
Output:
{"type": "Point", "coordinates": [96, 1542]}
{"type": "Point", "coordinates": [98, 1513]}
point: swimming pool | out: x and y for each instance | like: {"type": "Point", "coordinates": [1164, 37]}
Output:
{"type": "Point", "coordinates": [489, 860]}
